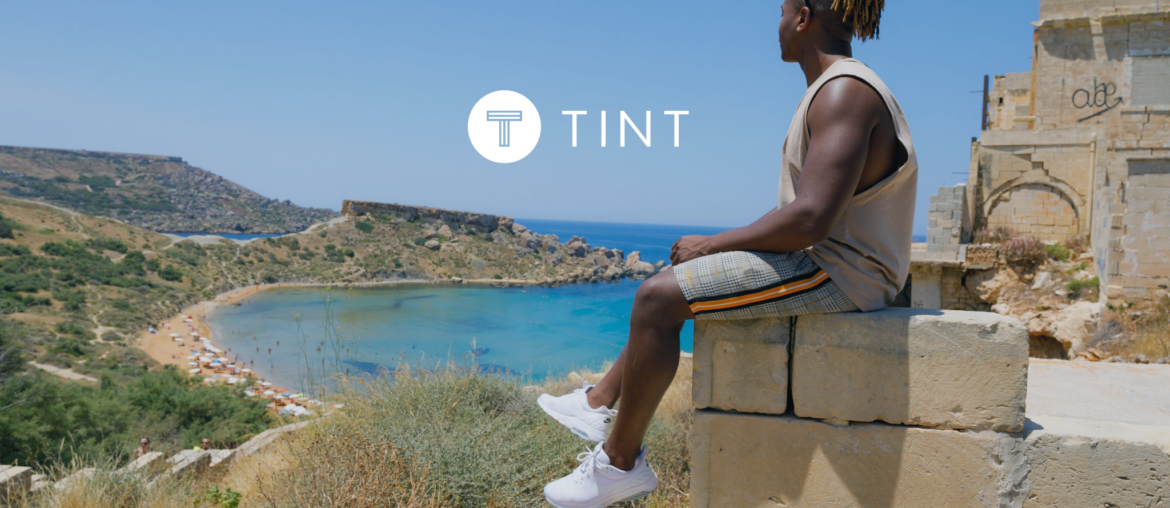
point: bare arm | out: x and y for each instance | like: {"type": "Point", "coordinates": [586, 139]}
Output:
{"type": "Point", "coordinates": [841, 121]}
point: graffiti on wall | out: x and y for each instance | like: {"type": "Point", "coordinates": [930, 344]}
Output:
{"type": "Point", "coordinates": [1101, 96]}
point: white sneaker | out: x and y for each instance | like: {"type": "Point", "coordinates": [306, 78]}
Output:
{"type": "Point", "coordinates": [596, 484]}
{"type": "Point", "coordinates": [573, 411]}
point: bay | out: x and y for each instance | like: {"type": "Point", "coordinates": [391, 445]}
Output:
{"type": "Point", "coordinates": [529, 331]}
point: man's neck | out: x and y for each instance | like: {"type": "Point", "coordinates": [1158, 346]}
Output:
{"type": "Point", "coordinates": [819, 57]}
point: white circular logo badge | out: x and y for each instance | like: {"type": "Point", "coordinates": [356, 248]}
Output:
{"type": "Point", "coordinates": [504, 126]}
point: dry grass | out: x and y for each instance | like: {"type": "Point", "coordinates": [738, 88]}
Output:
{"type": "Point", "coordinates": [454, 437]}
{"type": "Point", "coordinates": [1136, 332]}
{"type": "Point", "coordinates": [107, 488]}
{"type": "Point", "coordinates": [1149, 330]}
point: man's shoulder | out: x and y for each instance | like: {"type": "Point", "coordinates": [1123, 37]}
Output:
{"type": "Point", "coordinates": [846, 98]}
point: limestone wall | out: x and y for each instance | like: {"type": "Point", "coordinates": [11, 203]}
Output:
{"type": "Point", "coordinates": [904, 408]}
{"type": "Point", "coordinates": [1055, 160]}
{"type": "Point", "coordinates": [948, 223]}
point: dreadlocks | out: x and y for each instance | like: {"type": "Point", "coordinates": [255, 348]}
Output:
{"type": "Point", "coordinates": [859, 18]}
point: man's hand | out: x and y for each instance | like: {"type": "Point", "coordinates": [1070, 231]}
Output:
{"type": "Point", "coordinates": [690, 247]}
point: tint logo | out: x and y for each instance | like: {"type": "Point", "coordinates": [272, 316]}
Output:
{"type": "Point", "coordinates": [504, 126]}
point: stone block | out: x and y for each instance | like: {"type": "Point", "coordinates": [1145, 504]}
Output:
{"type": "Point", "coordinates": [81, 475]}
{"type": "Point", "coordinates": [741, 365]}
{"type": "Point", "coordinates": [1091, 463]}
{"type": "Point", "coordinates": [14, 480]}
{"type": "Point", "coordinates": [144, 463]}
{"type": "Point", "coordinates": [221, 457]}
{"type": "Point", "coordinates": [947, 369]}
{"type": "Point", "coordinates": [189, 462]}
{"type": "Point", "coordinates": [740, 460]}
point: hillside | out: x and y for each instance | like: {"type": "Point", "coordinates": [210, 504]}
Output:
{"type": "Point", "coordinates": [154, 192]}
{"type": "Point", "coordinates": [87, 286]}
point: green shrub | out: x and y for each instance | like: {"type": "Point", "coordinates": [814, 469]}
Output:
{"type": "Point", "coordinates": [69, 346]}
{"type": "Point", "coordinates": [497, 276]}
{"type": "Point", "coordinates": [269, 278]}
{"type": "Point", "coordinates": [121, 304]}
{"type": "Point", "coordinates": [58, 420]}
{"type": "Point", "coordinates": [170, 273]}
{"type": "Point", "coordinates": [152, 265]}
{"type": "Point", "coordinates": [349, 253]}
{"type": "Point", "coordinates": [364, 226]}
{"type": "Point", "coordinates": [420, 241]}
{"type": "Point", "coordinates": [1057, 251]}
{"type": "Point", "coordinates": [1075, 287]}
{"type": "Point", "coordinates": [330, 247]}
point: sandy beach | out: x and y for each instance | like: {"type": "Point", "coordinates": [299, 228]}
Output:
{"type": "Point", "coordinates": [165, 350]}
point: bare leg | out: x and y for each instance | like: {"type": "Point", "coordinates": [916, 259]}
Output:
{"type": "Point", "coordinates": [647, 365]}
{"type": "Point", "coordinates": [608, 390]}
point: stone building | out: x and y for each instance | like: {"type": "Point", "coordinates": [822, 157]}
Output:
{"type": "Point", "coordinates": [1078, 147]}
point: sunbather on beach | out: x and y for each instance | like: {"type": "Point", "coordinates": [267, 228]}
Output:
{"type": "Point", "coordinates": [838, 241]}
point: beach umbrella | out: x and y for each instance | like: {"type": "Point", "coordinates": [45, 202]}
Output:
{"type": "Point", "coordinates": [174, 335]}
{"type": "Point", "coordinates": [268, 392]}
{"type": "Point", "coordinates": [246, 370]}
{"type": "Point", "coordinates": [178, 339]}
{"type": "Point", "coordinates": [195, 334]}
{"type": "Point", "coordinates": [190, 357]}
{"type": "Point", "coordinates": [194, 371]}
{"type": "Point", "coordinates": [193, 364]}
{"type": "Point", "coordinates": [266, 383]}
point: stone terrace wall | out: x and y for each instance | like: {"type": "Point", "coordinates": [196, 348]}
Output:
{"type": "Point", "coordinates": [897, 408]}
{"type": "Point", "coordinates": [406, 212]}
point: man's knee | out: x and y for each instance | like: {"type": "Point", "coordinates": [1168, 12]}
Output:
{"type": "Point", "coordinates": [661, 295]}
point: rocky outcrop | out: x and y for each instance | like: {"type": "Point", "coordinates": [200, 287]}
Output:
{"type": "Point", "coordinates": [481, 221]}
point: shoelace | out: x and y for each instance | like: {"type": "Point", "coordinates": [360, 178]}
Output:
{"type": "Point", "coordinates": [588, 460]}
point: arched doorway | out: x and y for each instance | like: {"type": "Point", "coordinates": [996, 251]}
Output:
{"type": "Point", "coordinates": [1035, 209]}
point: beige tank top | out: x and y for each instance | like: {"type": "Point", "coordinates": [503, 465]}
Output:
{"type": "Point", "coordinates": [867, 252]}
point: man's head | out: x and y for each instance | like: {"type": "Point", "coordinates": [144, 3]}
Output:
{"type": "Point", "coordinates": [206, 444]}
{"type": "Point", "coordinates": [811, 21]}
{"type": "Point", "coordinates": [145, 442]}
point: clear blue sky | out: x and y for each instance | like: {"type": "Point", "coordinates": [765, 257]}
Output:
{"type": "Point", "coordinates": [322, 101]}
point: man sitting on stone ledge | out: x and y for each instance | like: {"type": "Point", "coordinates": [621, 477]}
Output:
{"type": "Point", "coordinates": [839, 241]}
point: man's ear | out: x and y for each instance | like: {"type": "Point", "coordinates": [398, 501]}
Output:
{"type": "Point", "coordinates": [803, 18]}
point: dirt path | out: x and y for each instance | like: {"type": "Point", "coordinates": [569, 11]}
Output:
{"type": "Point", "coordinates": [63, 373]}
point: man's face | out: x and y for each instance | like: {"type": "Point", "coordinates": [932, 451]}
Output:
{"type": "Point", "coordinates": [789, 19]}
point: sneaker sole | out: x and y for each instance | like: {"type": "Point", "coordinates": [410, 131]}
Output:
{"type": "Point", "coordinates": [639, 495]}
{"type": "Point", "coordinates": [575, 425]}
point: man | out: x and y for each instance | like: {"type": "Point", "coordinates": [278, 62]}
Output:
{"type": "Point", "coordinates": [206, 444]}
{"type": "Point", "coordinates": [143, 448]}
{"type": "Point", "coordinates": [839, 241]}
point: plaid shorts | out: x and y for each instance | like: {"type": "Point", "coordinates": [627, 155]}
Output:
{"type": "Point", "coordinates": [749, 285]}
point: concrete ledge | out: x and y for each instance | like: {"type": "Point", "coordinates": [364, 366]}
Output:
{"type": "Point", "coordinates": [1089, 463]}
{"type": "Point", "coordinates": [81, 475]}
{"type": "Point", "coordinates": [740, 460]}
{"type": "Point", "coordinates": [946, 369]}
{"type": "Point", "coordinates": [263, 439]}
{"type": "Point", "coordinates": [142, 463]}
{"type": "Point", "coordinates": [13, 480]}
{"type": "Point", "coordinates": [741, 365]}
{"type": "Point", "coordinates": [189, 462]}
{"type": "Point", "coordinates": [220, 456]}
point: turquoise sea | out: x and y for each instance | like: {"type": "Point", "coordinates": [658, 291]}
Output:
{"type": "Point", "coordinates": [529, 330]}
